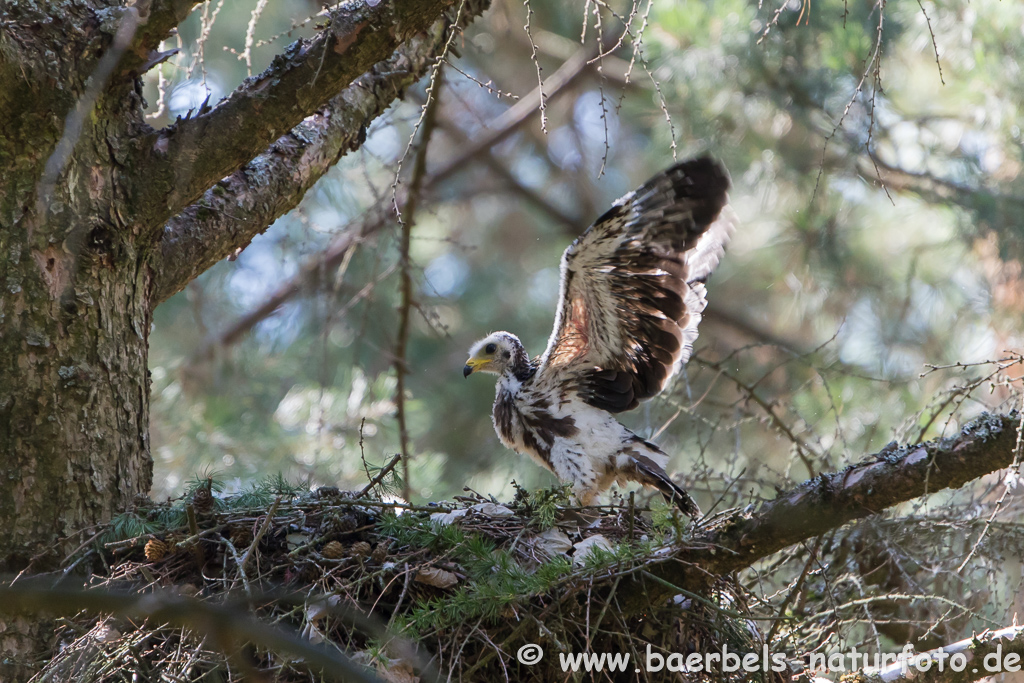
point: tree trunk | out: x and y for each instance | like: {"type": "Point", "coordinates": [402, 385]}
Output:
{"type": "Point", "coordinates": [74, 305]}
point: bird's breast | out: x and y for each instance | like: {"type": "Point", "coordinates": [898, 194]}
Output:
{"type": "Point", "coordinates": [527, 422]}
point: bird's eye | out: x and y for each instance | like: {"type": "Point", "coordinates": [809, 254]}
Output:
{"type": "Point", "coordinates": [490, 348]}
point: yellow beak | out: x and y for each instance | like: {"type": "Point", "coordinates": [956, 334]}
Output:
{"type": "Point", "coordinates": [472, 365]}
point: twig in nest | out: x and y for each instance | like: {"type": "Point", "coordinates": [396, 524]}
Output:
{"type": "Point", "coordinates": [385, 471]}
{"type": "Point", "coordinates": [259, 534]}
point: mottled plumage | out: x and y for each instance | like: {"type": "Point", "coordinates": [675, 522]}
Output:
{"type": "Point", "coordinates": [632, 293]}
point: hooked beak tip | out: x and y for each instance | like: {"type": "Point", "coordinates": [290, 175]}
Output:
{"type": "Point", "coordinates": [467, 371]}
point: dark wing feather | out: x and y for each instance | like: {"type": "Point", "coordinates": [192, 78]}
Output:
{"type": "Point", "coordinates": [632, 287]}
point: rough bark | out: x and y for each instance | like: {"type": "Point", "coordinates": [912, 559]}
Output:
{"type": "Point", "coordinates": [74, 305]}
{"type": "Point", "coordinates": [81, 269]}
{"type": "Point", "coordinates": [173, 173]}
{"type": "Point", "coordinates": [243, 204]}
{"type": "Point", "coordinates": [226, 216]}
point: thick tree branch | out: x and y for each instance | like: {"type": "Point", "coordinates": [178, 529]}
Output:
{"type": "Point", "coordinates": [182, 161]}
{"type": "Point", "coordinates": [240, 207]}
{"type": "Point", "coordinates": [244, 204]}
{"type": "Point", "coordinates": [159, 18]}
{"type": "Point", "coordinates": [827, 502]}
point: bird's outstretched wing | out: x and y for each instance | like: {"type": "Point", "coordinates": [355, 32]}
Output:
{"type": "Point", "coordinates": [632, 287]}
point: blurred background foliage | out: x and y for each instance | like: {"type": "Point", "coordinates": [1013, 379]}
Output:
{"type": "Point", "coordinates": [875, 150]}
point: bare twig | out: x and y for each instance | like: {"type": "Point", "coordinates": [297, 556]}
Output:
{"type": "Point", "coordinates": [267, 521]}
{"type": "Point", "coordinates": [935, 44]}
{"type": "Point", "coordinates": [385, 471]}
{"type": "Point", "coordinates": [542, 100]}
{"type": "Point", "coordinates": [407, 219]}
{"type": "Point", "coordinates": [250, 33]}
{"type": "Point", "coordinates": [432, 90]}
{"type": "Point", "coordinates": [872, 67]}
{"type": "Point", "coordinates": [794, 591]}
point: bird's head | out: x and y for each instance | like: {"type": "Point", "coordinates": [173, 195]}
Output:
{"type": "Point", "coordinates": [493, 354]}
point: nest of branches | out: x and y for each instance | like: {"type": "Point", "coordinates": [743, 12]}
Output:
{"type": "Point", "coordinates": [404, 593]}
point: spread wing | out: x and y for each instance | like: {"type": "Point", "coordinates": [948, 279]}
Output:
{"type": "Point", "coordinates": [632, 287]}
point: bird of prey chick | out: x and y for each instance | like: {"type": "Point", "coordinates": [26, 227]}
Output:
{"type": "Point", "coordinates": [631, 296]}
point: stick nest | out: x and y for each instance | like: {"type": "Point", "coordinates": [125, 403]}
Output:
{"type": "Point", "coordinates": [446, 591]}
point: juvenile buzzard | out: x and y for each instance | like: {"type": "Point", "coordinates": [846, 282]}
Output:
{"type": "Point", "coordinates": [632, 293]}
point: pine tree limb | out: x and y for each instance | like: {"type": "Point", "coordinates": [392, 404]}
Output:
{"type": "Point", "coordinates": [825, 502]}
{"type": "Point", "coordinates": [984, 655]}
{"type": "Point", "coordinates": [181, 162]}
{"type": "Point", "coordinates": [243, 204]}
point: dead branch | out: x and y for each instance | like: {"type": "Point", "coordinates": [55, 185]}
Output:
{"type": "Point", "coordinates": [826, 502]}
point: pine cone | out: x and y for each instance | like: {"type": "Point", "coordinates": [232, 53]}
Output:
{"type": "Point", "coordinates": [360, 549]}
{"type": "Point", "coordinates": [156, 550]}
{"type": "Point", "coordinates": [241, 536]}
{"type": "Point", "coordinates": [380, 553]}
{"type": "Point", "coordinates": [202, 499]}
{"type": "Point", "coordinates": [333, 551]}
{"type": "Point", "coordinates": [344, 523]}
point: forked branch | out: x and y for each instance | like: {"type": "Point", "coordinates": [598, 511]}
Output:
{"type": "Point", "coordinates": [184, 160]}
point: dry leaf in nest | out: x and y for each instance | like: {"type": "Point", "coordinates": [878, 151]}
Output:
{"type": "Point", "coordinates": [585, 547]}
{"type": "Point", "coordinates": [360, 549]}
{"type": "Point", "coordinates": [439, 578]}
{"type": "Point", "coordinates": [398, 672]}
{"type": "Point", "coordinates": [296, 541]}
{"type": "Point", "coordinates": [316, 611]}
{"type": "Point", "coordinates": [550, 544]}
{"type": "Point", "coordinates": [105, 633]}
{"type": "Point", "coordinates": [333, 551]}
{"type": "Point", "coordinates": [492, 510]}
{"type": "Point", "coordinates": [488, 510]}
{"type": "Point", "coordinates": [156, 550]}
{"type": "Point", "coordinates": [449, 517]}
